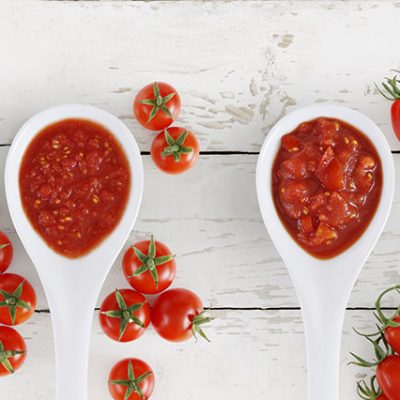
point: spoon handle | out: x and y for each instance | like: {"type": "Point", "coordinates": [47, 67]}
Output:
{"type": "Point", "coordinates": [323, 321]}
{"type": "Point", "coordinates": [72, 321]}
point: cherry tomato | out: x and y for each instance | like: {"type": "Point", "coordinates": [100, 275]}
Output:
{"type": "Point", "coordinates": [149, 266]}
{"type": "Point", "coordinates": [17, 299]}
{"type": "Point", "coordinates": [157, 105]}
{"type": "Point", "coordinates": [175, 150]}
{"type": "Point", "coordinates": [391, 91]}
{"type": "Point", "coordinates": [178, 315]}
{"type": "Point", "coordinates": [395, 111]}
{"type": "Point", "coordinates": [12, 350]}
{"type": "Point", "coordinates": [6, 252]}
{"type": "Point", "coordinates": [131, 379]}
{"type": "Point", "coordinates": [388, 376]}
{"type": "Point", "coordinates": [124, 315]}
{"type": "Point", "coordinates": [392, 335]}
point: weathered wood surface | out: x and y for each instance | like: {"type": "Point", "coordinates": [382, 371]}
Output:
{"type": "Point", "coordinates": [210, 218]}
{"type": "Point", "coordinates": [239, 65]}
{"type": "Point", "coordinates": [253, 355]}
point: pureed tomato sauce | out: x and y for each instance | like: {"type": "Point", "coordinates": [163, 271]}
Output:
{"type": "Point", "coordinates": [74, 184]}
{"type": "Point", "coordinates": [327, 182]}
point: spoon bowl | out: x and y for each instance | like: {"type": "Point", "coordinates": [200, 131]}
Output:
{"type": "Point", "coordinates": [72, 286]}
{"type": "Point", "coordinates": [323, 285]}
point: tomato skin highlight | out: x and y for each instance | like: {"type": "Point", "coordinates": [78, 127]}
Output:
{"type": "Point", "coordinates": [167, 163]}
{"type": "Point", "coordinates": [173, 313]}
{"type": "Point", "coordinates": [111, 326]}
{"type": "Point", "coordinates": [395, 111]}
{"type": "Point", "coordinates": [9, 283]}
{"type": "Point", "coordinates": [144, 283]}
{"type": "Point", "coordinates": [161, 119]}
{"type": "Point", "coordinates": [120, 372]}
{"type": "Point", "coordinates": [12, 340]}
{"type": "Point", "coordinates": [6, 252]}
{"type": "Point", "coordinates": [388, 376]}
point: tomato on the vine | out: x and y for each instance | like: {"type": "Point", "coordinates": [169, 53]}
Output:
{"type": "Point", "coordinates": [391, 91]}
{"type": "Point", "coordinates": [178, 315]}
{"type": "Point", "coordinates": [392, 335]}
{"type": "Point", "coordinates": [124, 315]}
{"type": "Point", "coordinates": [149, 267]}
{"type": "Point", "coordinates": [131, 379]}
{"type": "Point", "coordinates": [388, 376]}
{"type": "Point", "coordinates": [157, 106]}
{"type": "Point", "coordinates": [6, 252]}
{"type": "Point", "coordinates": [17, 299]}
{"type": "Point", "coordinates": [175, 150]}
{"type": "Point", "coordinates": [12, 350]}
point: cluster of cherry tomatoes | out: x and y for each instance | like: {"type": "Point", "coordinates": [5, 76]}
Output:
{"type": "Point", "coordinates": [17, 304]}
{"type": "Point", "coordinates": [175, 149]}
{"type": "Point", "coordinates": [385, 384]}
{"type": "Point", "coordinates": [176, 315]}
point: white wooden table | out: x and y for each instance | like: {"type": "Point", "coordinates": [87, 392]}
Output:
{"type": "Point", "coordinates": [239, 66]}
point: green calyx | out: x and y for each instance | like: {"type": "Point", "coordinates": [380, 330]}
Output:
{"type": "Point", "coordinates": [380, 316]}
{"type": "Point", "coordinates": [390, 89]}
{"type": "Point", "coordinates": [377, 339]}
{"type": "Point", "coordinates": [198, 321]}
{"type": "Point", "coordinates": [381, 352]}
{"type": "Point", "coordinates": [13, 301]}
{"type": "Point", "coordinates": [158, 103]}
{"type": "Point", "coordinates": [5, 356]}
{"type": "Point", "coordinates": [175, 148]}
{"type": "Point", "coordinates": [132, 383]}
{"type": "Point", "coordinates": [3, 246]}
{"type": "Point", "coordinates": [366, 392]}
{"type": "Point", "coordinates": [124, 313]}
{"type": "Point", "coordinates": [150, 262]}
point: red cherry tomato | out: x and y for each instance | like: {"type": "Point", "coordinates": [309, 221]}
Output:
{"type": "Point", "coordinates": [175, 150]}
{"type": "Point", "coordinates": [157, 106]}
{"type": "Point", "coordinates": [131, 379]}
{"type": "Point", "coordinates": [391, 91]}
{"type": "Point", "coordinates": [149, 266]}
{"type": "Point", "coordinates": [178, 315]}
{"type": "Point", "coordinates": [17, 299]}
{"type": "Point", "coordinates": [12, 350]}
{"type": "Point", "coordinates": [395, 111]}
{"type": "Point", "coordinates": [388, 376]}
{"type": "Point", "coordinates": [124, 315]}
{"type": "Point", "coordinates": [6, 252]}
{"type": "Point", "coordinates": [392, 335]}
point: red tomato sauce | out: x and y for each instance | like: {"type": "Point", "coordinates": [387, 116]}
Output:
{"type": "Point", "coordinates": [74, 183]}
{"type": "Point", "coordinates": [327, 182]}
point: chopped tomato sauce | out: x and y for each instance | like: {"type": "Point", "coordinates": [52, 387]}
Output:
{"type": "Point", "coordinates": [74, 183]}
{"type": "Point", "coordinates": [327, 182]}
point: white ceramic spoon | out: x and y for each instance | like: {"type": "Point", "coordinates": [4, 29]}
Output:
{"type": "Point", "coordinates": [323, 286]}
{"type": "Point", "coordinates": [72, 285]}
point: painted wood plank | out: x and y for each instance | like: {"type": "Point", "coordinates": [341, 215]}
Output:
{"type": "Point", "coordinates": [239, 66]}
{"type": "Point", "coordinates": [209, 217]}
{"type": "Point", "coordinates": [253, 355]}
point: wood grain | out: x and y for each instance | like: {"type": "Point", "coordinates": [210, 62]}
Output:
{"type": "Point", "coordinates": [253, 355]}
{"type": "Point", "coordinates": [239, 65]}
{"type": "Point", "coordinates": [210, 218]}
